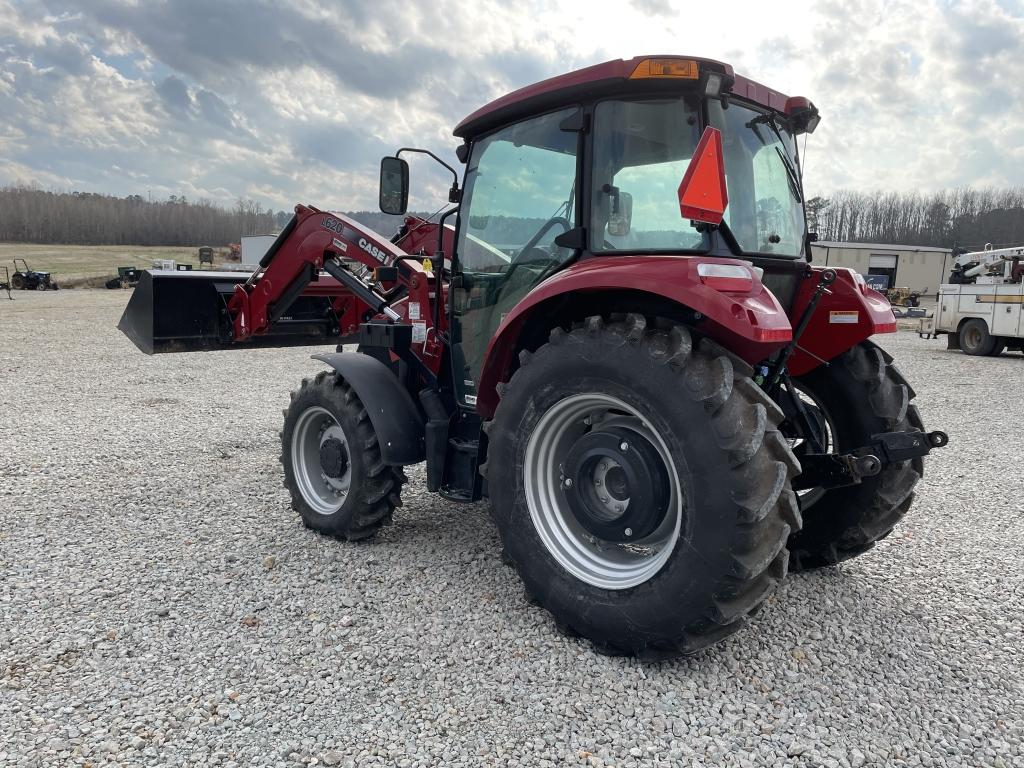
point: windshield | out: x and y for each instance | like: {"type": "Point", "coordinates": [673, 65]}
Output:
{"type": "Point", "coordinates": [765, 210]}
{"type": "Point", "coordinates": [641, 150]}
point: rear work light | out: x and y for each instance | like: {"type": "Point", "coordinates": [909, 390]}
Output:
{"type": "Point", "coordinates": [727, 278]}
{"type": "Point", "coordinates": [679, 69]}
{"type": "Point", "coordinates": [859, 281]}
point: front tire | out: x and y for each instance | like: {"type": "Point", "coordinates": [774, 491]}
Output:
{"type": "Point", "coordinates": [859, 394]}
{"type": "Point", "coordinates": [333, 469]}
{"type": "Point", "coordinates": [613, 400]}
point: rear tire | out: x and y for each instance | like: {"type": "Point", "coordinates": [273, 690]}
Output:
{"type": "Point", "coordinates": [975, 338]}
{"type": "Point", "coordinates": [18, 283]}
{"type": "Point", "coordinates": [358, 493]}
{"type": "Point", "coordinates": [861, 393]}
{"type": "Point", "coordinates": [719, 548]}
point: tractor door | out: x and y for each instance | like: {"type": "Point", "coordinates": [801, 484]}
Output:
{"type": "Point", "coordinates": [519, 196]}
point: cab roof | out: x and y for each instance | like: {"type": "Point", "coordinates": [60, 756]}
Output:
{"type": "Point", "coordinates": [601, 79]}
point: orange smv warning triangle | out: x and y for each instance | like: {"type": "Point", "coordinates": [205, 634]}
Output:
{"type": "Point", "coordinates": [702, 192]}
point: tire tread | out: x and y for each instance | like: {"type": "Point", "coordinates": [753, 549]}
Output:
{"type": "Point", "coordinates": [744, 426]}
{"type": "Point", "coordinates": [380, 492]}
{"type": "Point", "coordinates": [889, 398]}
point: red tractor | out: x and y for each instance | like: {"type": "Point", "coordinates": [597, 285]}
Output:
{"type": "Point", "coordinates": [614, 334]}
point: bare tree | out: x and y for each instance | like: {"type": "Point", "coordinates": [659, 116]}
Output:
{"type": "Point", "coordinates": [32, 215]}
{"type": "Point", "coordinates": [963, 217]}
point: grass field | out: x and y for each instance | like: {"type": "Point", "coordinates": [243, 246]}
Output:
{"type": "Point", "coordinates": [82, 265]}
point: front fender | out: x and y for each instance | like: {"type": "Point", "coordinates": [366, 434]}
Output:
{"type": "Point", "coordinates": [751, 324]}
{"type": "Point", "coordinates": [394, 416]}
{"type": "Point", "coordinates": [848, 315]}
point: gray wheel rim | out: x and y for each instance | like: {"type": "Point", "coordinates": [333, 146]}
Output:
{"type": "Point", "coordinates": [603, 564]}
{"type": "Point", "coordinates": [313, 428]}
{"type": "Point", "coordinates": [973, 337]}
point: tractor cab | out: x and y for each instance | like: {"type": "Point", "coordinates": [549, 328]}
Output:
{"type": "Point", "coordinates": [592, 164]}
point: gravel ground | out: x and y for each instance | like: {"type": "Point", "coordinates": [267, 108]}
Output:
{"type": "Point", "coordinates": [160, 604]}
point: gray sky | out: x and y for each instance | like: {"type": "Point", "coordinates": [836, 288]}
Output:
{"type": "Point", "coordinates": [296, 100]}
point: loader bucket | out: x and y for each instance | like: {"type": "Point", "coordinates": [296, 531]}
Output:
{"type": "Point", "coordinates": [187, 312]}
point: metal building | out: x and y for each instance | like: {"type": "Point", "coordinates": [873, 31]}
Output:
{"type": "Point", "coordinates": [254, 247]}
{"type": "Point", "coordinates": [920, 268]}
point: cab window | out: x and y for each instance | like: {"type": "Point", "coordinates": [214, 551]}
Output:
{"type": "Point", "coordinates": [641, 151]}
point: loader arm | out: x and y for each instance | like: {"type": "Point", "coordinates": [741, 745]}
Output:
{"type": "Point", "coordinates": [317, 283]}
{"type": "Point", "coordinates": [313, 241]}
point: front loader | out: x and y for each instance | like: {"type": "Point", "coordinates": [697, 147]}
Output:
{"type": "Point", "coordinates": [614, 334]}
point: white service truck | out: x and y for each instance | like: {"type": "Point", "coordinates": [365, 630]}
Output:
{"type": "Point", "coordinates": [980, 308]}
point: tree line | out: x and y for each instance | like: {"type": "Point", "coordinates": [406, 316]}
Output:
{"type": "Point", "coordinates": [964, 217]}
{"type": "Point", "coordinates": [31, 215]}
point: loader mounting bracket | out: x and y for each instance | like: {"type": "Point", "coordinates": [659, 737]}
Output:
{"type": "Point", "coordinates": [397, 338]}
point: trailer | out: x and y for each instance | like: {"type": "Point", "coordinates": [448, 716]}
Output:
{"type": "Point", "coordinates": [980, 308]}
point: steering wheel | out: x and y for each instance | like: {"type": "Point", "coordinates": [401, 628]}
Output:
{"type": "Point", "coordinates": [531, 244]}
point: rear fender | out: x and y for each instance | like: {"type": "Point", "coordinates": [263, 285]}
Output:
{"type": "Point", "coordinates": [395, 418]}
{"type": "Point", "coordinates": [751, 325]}
{"type": "Point", "coordinates": [850, 314]}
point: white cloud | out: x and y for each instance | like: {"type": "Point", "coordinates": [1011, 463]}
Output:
{"type": "Point", "coordinates": [288, 102]}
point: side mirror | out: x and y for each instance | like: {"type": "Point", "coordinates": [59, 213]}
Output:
{"type": "Point", "coordinates": [621, 217]}
{"type": "Point", "coordinates": [394, 185]}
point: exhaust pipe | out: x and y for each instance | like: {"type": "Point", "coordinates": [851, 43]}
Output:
{"type": "Point", "coordinates": [188, 312]}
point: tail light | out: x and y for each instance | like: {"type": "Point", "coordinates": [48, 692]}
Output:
{"type": "Point", "coordinates": [727, 278]}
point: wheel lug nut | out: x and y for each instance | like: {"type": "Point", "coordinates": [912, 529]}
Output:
{"type": "Point", "coordinates": [623, 446]}
{"type": "Point", "coordinates": [628, 531]}
{"type": "Point", "coordinates": [568, 482]}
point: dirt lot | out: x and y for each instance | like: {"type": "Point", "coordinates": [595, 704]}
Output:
{"type": "Point", "coordinates": [161, 605]}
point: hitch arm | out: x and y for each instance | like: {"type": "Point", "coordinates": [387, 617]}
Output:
{"type": "Point", "coordinates": [833, 470]}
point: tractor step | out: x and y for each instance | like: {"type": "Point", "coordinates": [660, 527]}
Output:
{"type": "Point", "coordinates": [462, 481]}
{"type": "Point", "coordinates": [188, 311]}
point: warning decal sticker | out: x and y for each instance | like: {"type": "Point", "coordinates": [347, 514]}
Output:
{"type": "Point", "coordinates": [844, 316]}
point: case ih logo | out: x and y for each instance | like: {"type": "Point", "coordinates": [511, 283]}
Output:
{"type": "Point", "coordinates": [373, 250]}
